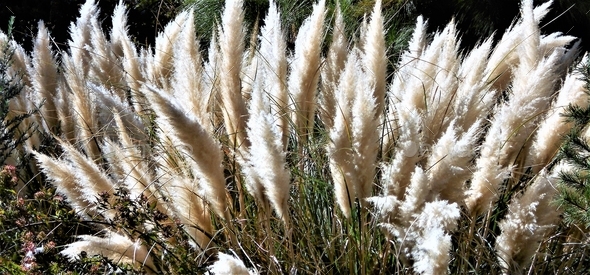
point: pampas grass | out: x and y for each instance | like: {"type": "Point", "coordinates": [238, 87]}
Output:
{"type": "Point", "coordinates": [305, 71]}
{"type": "Point", "coordinates": [334, 64]}
{"type": "Point", "coordinates": [265, 167]}
{"type": "Point", "coordinates": [113, 246]}
{"type": "Point", "coordinates": [374, 56]}
{"type": "Point", "coordinates": [531, 217]}
{"type": "Point", "coordinates": [44, 70]}
{"type": "Point", "coordinates": [231, 49]}
{"type": "Point", "coordinates": [445, 167]}
{"type": "Point", "coordinates": [203, 152]}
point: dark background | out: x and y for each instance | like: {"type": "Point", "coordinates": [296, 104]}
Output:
{"type": "Point", "coordinates": [476, 19]}
{"type": "Point", "coordinates": [145, 18]}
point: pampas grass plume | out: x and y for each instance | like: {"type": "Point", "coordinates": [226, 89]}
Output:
{"type": "Point", "coordinates": [330, 73]}
{"type": "Point", "coordinates": [340, 149]}
{"type": "Point", "coordinates": [204, 152]}
{"type": "Point", "coordinates": [374, 58]}
{"type": "Point", "coordinates": [80, 33]}
{"type": "Point", "coordinates": [272, 54]}
{"type": "Point", "coordinates": [266, 157]}
{"type": "Point", "coordinates": [231, 49]}
{"type": "Point", "coordinates": [229, 265]}
{"type": "Point", "coordinates": [62, 175]}
{"type": "Point", "coordinates": [530, 217]}
{"type": "Point", "coordinates": [116, 247]}
{"type": "Point", "coordinates": [44, 76]}
{"type": "Point", "coordinates": [305, 69]}
{"type": "Point", "coordinates": [365, 135]}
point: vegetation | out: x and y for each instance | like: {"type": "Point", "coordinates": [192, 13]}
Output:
{"type": "Point", "coordinates": [278, 151]}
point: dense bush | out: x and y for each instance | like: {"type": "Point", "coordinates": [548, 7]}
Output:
{"type": "Point", "coordinates": [314, 157]}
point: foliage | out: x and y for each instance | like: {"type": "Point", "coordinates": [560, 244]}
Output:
{"type": "Point", "coordinates": [11, 136]}
{"type": "Point", "coordinates": [574, 197]}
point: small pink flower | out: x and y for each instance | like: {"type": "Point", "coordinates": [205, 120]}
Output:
{"type": "Point", "coordinates": [28, 236]}
{"type": "Point", "coordinates": [20, 222]}
{"type": "Point", "coordinates": [10, 170]}
{"type": "Point", "coordinates": [20, 202]}
{"type": "Point", "coordinates": [58, 198]}
{"type": "Point", "coordinates": [39, 195]}
{"type": "Point", "coordinates": [49, 246]}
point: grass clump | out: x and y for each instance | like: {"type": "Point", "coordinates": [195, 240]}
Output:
{"type": "Point", "coordinates": [316, 158]}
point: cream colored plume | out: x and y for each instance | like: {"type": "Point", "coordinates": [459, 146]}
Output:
{"type": "Point", "coordinates": [554, 127]}
{"type": "Point", "coordinates": [80, 33]}
{"type": "Point", "coordinates": [202, 152]}
{"type": "Point", "coordinates": [86, 124]}
{"type": "Point", "coordinates": [330, 72]}
{"type": "Point", "coordinates": [126, 51]}
{"type": "Point", "coordinates": [515, 121]}
{"type": "Point", "coordinates": [231, 50]}
{"type": "Point", "coordinates": [229, 265]}
{"type": "Point", "coordinates": [265, 169]}
{"type": "Point", "coordinates": [160, 65]}
{"type": "Point", "coordinates": [305, 70]}
{"type": "Point", "coordinates": [530, 218]}
{"type": "Point", "coordinates": [116, 247]}
{"type": "Point", "coordinates": [61, 173]}
{"type": "Point", "coordinates": [374, 58]}
{"type": "Point", "coordinates": [187, 77]}
{"type": "Point", "coordinates": [273, 68]}
{"type": "Point", "coordinates": [44, 78]}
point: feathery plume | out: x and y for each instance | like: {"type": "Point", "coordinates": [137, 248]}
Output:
{"type": "Point", "coordinates": [474, 99]}
{"type": "Point", "coordinates": [106, 103]}
{"type": "Point", "coordinates": [187, 82]}
{"type": "Point", "coordinates": [554, 127]}
{"type": "Point", "coordinates": [449, 163]}
{"type": "Point", "coordinates": [273, 67]}
{"type": "Point", "coordinates": [504, 56]}
{"type": "Point", "coordinates": [431, 253]}
{"type": "Point", "coordinates": [266, 157]}
{"type": "Point", "coordinates": [365, 134]}
{"type": "Point", "coordinates": [82, 108]}
{"type": "Point", "coordinates": [19, 60]}
{"type": "Point", "coordinates": [135, 172]}
{"type": "Point", "coordinates": [119, 35]}
{"type": "Point", "coordinates": [105, 67]}
{"type": "Point", "coordinates": [231, 48]}
{"type": "Point", "coordinates": [396, 172]}
{"type": "Point", "coordinates": [44, 77]}
{"type": "Point", "coordinates": [402, 214]}
{"type": "Point", "coordinates": [532, 87]}
{"type": "Point", "coordinates": [374, 58]}
{"type": "Point", "coordinates": [530, 217]}
{"type": "Point", "coordinates": [414, 197]}
{"type": "Point", "coordinates": [129, 58]}
{"type": "Point", "coordinates": [116, 247]}
{"type": "Point", "coordinates": [65, 114]}
{"type": "Point", "coordinates": [399, 85]}
{"type": "Point", "coordinates": [330, 72]}
{"type": "Point", "coordinates": [159, 67]}
{"type": "Point", "coordinates": [200, 148]}
{"type": "Point", "coordinates": [61, 173]}
{"type": "Point", "coordinates": [340, 149]}
{"type": "Point", "coordinates": [444, 89]}
{"type": "Point", "coordinates": [91, 179]}
{"type": "Point", "coordinates": [303, 80]}
{"type": "Point", "coordinates": [80, 32]}
{"type": "Point", "coordinates": [189, 208]}
{"type": "Point", "coordinates": [229, 265]}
